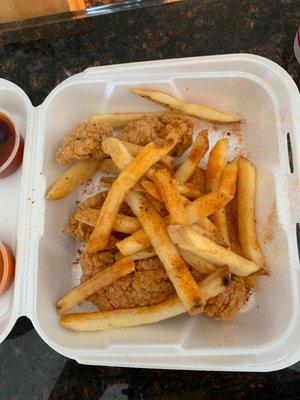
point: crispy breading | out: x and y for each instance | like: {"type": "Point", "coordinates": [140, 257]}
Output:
{"type": "Point", "coordinates": [84, 142]}
{"type": "Point", "coordinates": [78, 230]}
{"type": "Point", "coordinates": [227, 304]}
{"type": "Point", "coordinates": [81, 231]}
{"type": "Point", "coordinates": [148, 285]}
{"type": "Point", "coordinates": [159, 129]}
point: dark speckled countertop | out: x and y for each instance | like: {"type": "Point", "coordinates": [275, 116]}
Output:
{"type": "Point", "coordinates": [37, 59]}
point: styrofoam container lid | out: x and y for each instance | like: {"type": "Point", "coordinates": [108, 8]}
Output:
{"type": "Point", "coordinates": [265, 335]}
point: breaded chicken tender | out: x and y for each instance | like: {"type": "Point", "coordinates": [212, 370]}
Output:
{"type": "Point", "coordinates": [227, 304]}
{"type": "Point", "coordinates": [84, 142]}
{"type": "Point", "coordinates": [148, 285]}
{"type": "Point", "coordinates": [159, 129]}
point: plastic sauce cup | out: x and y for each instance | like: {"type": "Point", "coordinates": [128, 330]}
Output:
{"type": "Point", "coordinates": [7, 267]}
{"type": "Point", "coordinates": [11, 145]}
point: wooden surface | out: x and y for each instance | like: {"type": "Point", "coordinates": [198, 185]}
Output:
{"type": "Point", "coordinates": [14, 10]}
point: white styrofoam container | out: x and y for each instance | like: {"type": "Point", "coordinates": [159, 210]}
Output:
{"type": "Point", "coordinates": [266, 335]}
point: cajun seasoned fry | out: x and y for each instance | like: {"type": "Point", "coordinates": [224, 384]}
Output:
{"type": "Point", "coordinates": [139, 241]}
{"type": "Point", "coordinates": [135, 148]}
{"type": "Point", "coordinates": [198, 263]}
{"type": "Point", "coordinates": [140, 255]}
{"type": "Point", "coordinates": [98, 281]}
{"type": "Point", "coordinates": [229, 178]}
{"type": "Point", "coordinates": [118, 152]}
{"type": "Point", "coordinates": [196, 211]}
{"type": "Point", "coordinates": [246, 213]}
{"type": "Point", "coordinates": [123, 223]}
{"type": "Point", "coordinates": [120, 120]}
{"type": "Point", "coordinates": [202, 231]}
{"type": "Point", "coordinates": [232, 226]}
{"type": "Point", "coordinates": [214, 171]}
{"type": "Point", "coordinates": [151, 188]}
{"type": "Point", "coordinates": [179, 274]}
{"type": "Point", "coordinates": [108, 166]}
{"type": "Point", "coordinates": [196, 110]}
{"type": "Point", "coordinates": [216, 163]}
{"type": "Point", "coordinates": [206, 205]}
{"type": "Point", "coordinates": [170, 196]}
{"type": "Point", "coordinates": [220, 221]}
{"type": "Point", "coordinates": [211, 286]}
{"type": "Point", "coordinates": [134, 243]}
{"type": "Point", "coordinates": [127, 179]}
{"type": "Point", "coordinates": [123, 152]}
{"type": "Point", "coordinates": [79, 172]}
{"type": "Point", "coordinates": [190, 164]}
{"type": "Point", "coordinates": [186, 190]}
{"type": "Point", "coordinates": [188, 239]}
{"type": "Point", "coordinates": [208, 225]}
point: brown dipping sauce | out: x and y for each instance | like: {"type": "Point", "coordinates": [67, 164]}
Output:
{"type": "Point", "coordinates": [11, 142]}
{"type": "Point", "coordinates": [7, 138]}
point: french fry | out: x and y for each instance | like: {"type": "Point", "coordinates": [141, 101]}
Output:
{"type": "Point", "coordinates": [220, 221]}
{"type": "Point", "coordinates": [79, 172]}
{"type": "Point", "coordinates": [196, 211]}
{"type": "Point", "coordinates": [216, 282]}
{"type": "Point", "coordinates": [118, 152]}
{"type": "Point", "coordinates": [98, 281]}
{"type": "Point", "coordinates": [196, 110]}
{"type": "Point", "coordinates": [120, 120]}
{"type": "Point", "coordinates": [214, 171]}
{"type": "Point", "coordinates": [232, 226]}
{"type": "Point", "coordinates": [107, 181]}
{"type": "Point", "coordinates": [186, 190]}
{"type": "Point", "coordinates": [202, 231]}
{"type": "Point", "coordinates": [170, 196]}
{"type": "Point", "coordinates": [229, 178]}
{"type": "Point", "coordinates": [208, 225]}
{"type": "Point", "coordinates": [127, 179]}
{"type": "Point", "coordinates": [126, 224]}
{"type": "Point", "coordinates": [108, 166]}
{"type": "Point", "coordinates": [140, 255]}
{"type": "Point", "coordinates": [190, 164]}
{"type": "Point", "coordinates": [206, 205]}
{"type": "Point", "coordinates": [211, 286]}
{"type": "Point", "coordinates": [189, 190]}
{"type": "Point", "coordinates": [198, 263]}
{"type": "Point", "coordinates": [123, 152]}
{"type": "Point", "coordinates": [134, 243]}
{"type": "Point", "coordinates": [216, 163]}
{"type": "Point", "coordinates": [151, 188]}
{"type": "Point", "coordinates": [123, 223]}
{"type": "Point", "coordinates": [188, 239]}
{"type": "Point", "coordinates": [179, 274]}
{"type": "Point", "coordinates": [246, 213]}
{"type": "Point", "coordinates": [139, 241]}
{"type": "Point", "coordinates": [135, 148]}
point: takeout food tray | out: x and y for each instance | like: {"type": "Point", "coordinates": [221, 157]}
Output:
{"type": "Point", "coordinates": [266, 334]}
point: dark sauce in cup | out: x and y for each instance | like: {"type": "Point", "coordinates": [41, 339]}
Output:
{"type": "Point", "coordinates": [7, 138]}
